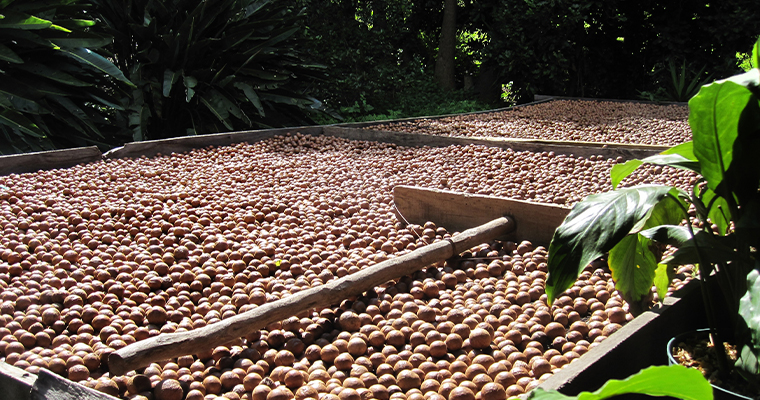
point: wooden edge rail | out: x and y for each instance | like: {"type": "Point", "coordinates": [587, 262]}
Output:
{"type": "Point", "coordinates": [17, 384]}
{"type": "Point", "coordinates": [44, 160]}
{"type": "Point", "coordinates": [173, 345]}
{"type": "Point", "coordinates": [578, 149]}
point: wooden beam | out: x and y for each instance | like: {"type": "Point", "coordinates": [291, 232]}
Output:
{"type": "Point", "coordinates": [578, 149]}
{"type": "Point", "coordinates": [457, 211]}
{"type": "Point", "coordinates": [44, 160]}
{"type": "Point", "coordinates": [172, 345]}
{"type": "Point", "coordinates": [150, 148]}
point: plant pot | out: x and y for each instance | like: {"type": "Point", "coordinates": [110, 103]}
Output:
{"type": "Point", "coordinates": [719, 393]}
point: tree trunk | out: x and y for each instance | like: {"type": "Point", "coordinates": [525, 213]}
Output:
{"type": "Point", "coordinates": [444, 63]}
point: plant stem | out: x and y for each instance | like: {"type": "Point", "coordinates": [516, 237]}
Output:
{"type": "Point", "coordinates": [704, 273]}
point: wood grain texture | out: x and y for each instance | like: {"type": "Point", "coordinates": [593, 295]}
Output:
{"type": "Point", "coordinates": [181, 144]}
{"type": "Point", "coordinates": [15, 383]}
{"type": "Point", "coordinates": [45, 160]}
{"type": "Point", "coordinates": [167, 346]}
{"type": "Point", "coordinates": [578, 149]}
{"type": "Point", "coordinates": [458, 211]}
{"type": "Point", "coordinates": [50, 386]}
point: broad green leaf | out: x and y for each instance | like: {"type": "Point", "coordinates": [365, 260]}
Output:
{"type": "Point", "coordinates": [54, 74]}
{"type": "Point", "coordinates": [17, 20]}
{"type": "Point", "coordinates": [674, 235]}
{"type": "Point", "coordinates": [251, 95]}
{"type": "Point", "coordinates": [76, 112]}
{"type": "Point", "coordinates": [718, 209]}
{"type": "Point", "coordinates": [704, 248]}
{"type": "Point", "coordinates": [633, 263]}
{"type": "Point", "coordinates": [672, 380]}
{"type": "Point", "coordinates": [716, 115]}
{"type": "Point", "coordinates": [221, 101]}
{"type": "Point", "coordinates": [97, 62]}
{"type": "Point", "coordinates": [621, 171]}
{"type": "Point", "coordinates": [79, 39]}
{"type": "Point", "coordinates": [74, 24]}
{"type": "Point", "coordinates": [662, 280]}
{"type": "Point", "coordinates": [221, 114]}
{"type": "Point", "coordinates": [680, 156]}
{"type": "Point", "coordinates": [749, 310]}
{"type": "Point", "coordinates": [18, 121]}
{"type": "Point", "coordinates": [670, 211]}
{"type": "Point", "coordinates": [756, 54]}
{"type": "Point", "coordinates": [170, 78]}
{"type": "Point", "coordinates": [190, 83]}
{"type": "Point", "coordinates": [253, 8]}
{"type": "Point", "coordinates": [593, 227]}
{"type": "Point", "coordinates": [6, 54]}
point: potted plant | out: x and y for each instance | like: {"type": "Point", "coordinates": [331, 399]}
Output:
{"type": "Point", "coordinates": [715, 225]}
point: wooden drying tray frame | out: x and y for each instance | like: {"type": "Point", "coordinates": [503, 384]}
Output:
{"type": "Point", "coordinates": [57, 159]}
{"type": "Point", "coordinates": [21, 385]}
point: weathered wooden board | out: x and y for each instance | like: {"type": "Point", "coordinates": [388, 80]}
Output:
{"type": "Point", "coordinates": [31, 162]}
{"type": "Point", "coordinates": [17, 384]}
{"type": "Point", "coordinates": [457, 211]}
{"type": "Point", "coordinates": [579, 149]}
{"type": "Point", "coordinates": [172, 345]}
{"type": "Point", "coordinates": [181, 144]}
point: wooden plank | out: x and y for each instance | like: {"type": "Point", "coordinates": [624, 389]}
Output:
{"type": "Point", "coordinates": [168, 346]}
{"type": "Point", "coordinates": [150, 148]}
{"type": "Point", "coordinates": [458, 211]}
{"type": "Point", "coordinates": [15, 383]}
{"type": "Point", "coordinates": [50, 386]}
{"type": "Point", "coordinates": [578, 149]}
{"type": "Point", "coordinates": [32, 162]}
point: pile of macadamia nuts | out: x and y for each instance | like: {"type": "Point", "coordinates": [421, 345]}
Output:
{"type": "Point", "coordinates": [565, 120]}
{"type": "Point", "coordinates": [99, 256]}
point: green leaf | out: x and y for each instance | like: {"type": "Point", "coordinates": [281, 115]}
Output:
{"type": "Point", "coordinates": [96, 62]}
{"type": "Point", "coordinates": [17, 20]}
{"type": "Point", "coordinates": [717, 114]}
{"type": "Point", "coordinates": [170, 78]}
{"type": "Point", "coordinates": [251, 95]}
{"type": "Point", "coordinates": [79, 39]}
{"type": "Point", "coordinates": [672, 380]}
{"type": "Point", "coordinates": [220, 112]}
{"type": "Point", "coordinates": [593, 227]}
{"type": "Point", "coordinates": [674, 235]}
{"type": "Point", "coordinates": [749, 310]}
{"type": "Point", "coordinates": [680, 156]}
{"type": "Point", "coordinates": [662, 280]}
{"type": "Point", "coordinates": [633, 263]}
{"type": "Point", "coordinates": [73, 23]}
{"type": "Point", "coordinates": [621, 171]}
{"type": "Point", "coordinates": [190, 83]}
{"type": "Point", "coordinates": [756, 54]}
{"type": "Point", "coordinates": [718, 209]}
{"type": "Point", "coordinates": [54, 74]}
{"type": "Point", "coordinates": [6, 54]}
{"type": "Point", "coordinates": [18, 121]}
{"type": "Point", "coordinates": [704, 248]}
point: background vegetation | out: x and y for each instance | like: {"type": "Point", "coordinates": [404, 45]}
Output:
{"type": "Point", "coordinates": [156, 69]}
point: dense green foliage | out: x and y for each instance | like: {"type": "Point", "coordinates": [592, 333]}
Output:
{"type": "Point", "coordinates": [53, 83]}
{"type": "Point", "coordinates": [590, 48]}
{"type": "Point", "coordinates": [380, 57]}
{"type": "Point", "coordinates": [634, 224]}
{"type": "Point", "coordinates": [203, 67]}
